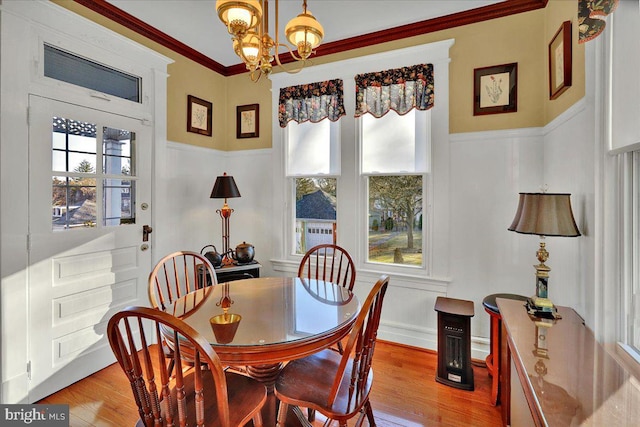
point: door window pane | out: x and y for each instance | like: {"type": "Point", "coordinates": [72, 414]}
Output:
{"type": "Point", "coordinates": [117, 146]}
{"type": "Point", "coordinates": [118, 196]}
{"type": "Point", "coordinates": [395, 219]}
{"type": "Point", "coordinates": [73, 202]}
{"type": "Point", "coordinates": [74, 146]}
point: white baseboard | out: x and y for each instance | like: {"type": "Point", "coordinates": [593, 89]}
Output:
{"type": "Point", "coordinates": [15, 390]}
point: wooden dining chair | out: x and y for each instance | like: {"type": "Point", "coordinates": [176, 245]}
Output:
{"type": "Point", "coordinates": [330, 263]}
{"type": "Point", "coordinates": [336, 385]}
{"type": "Point", "coordinates": [199, 394]}
{"type": "Point", "coordinates": [175, 275]}
{"type": "Point", "coordinates": [178, 274]}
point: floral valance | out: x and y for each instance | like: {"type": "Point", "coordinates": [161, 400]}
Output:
{"type": "Point", "coordinates": [311, 102]}
{"type": "Point", "coordinates": [400, 89]}
{"type": "Point", "coordinates": [591, 14]}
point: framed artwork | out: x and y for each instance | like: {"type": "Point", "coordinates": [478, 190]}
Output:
{"type": "Point", "coordinates": [248, 121]}
{"type": "Point", "coordinates": [199, 116]}
{"type": "Point", "coordinates": [560, 61]}
{"type": "Point", "coordinates": [495, 89]}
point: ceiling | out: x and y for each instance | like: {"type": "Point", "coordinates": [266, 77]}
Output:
{"type": "Point", "coordinates": [196, 24]}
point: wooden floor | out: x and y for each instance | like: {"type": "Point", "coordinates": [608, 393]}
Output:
{"type": "Point", "coordinates": [405, 393]}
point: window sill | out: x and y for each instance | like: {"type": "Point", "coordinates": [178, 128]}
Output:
{"type": "Point", "coordinates": [406, 280]}
{"type": "Point", "coordinates": [629, 358]}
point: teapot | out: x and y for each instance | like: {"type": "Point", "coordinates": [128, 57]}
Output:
{"type": "Point", "coordinates": [213, 256]}
{"type": "Point", "coordinates": [244, 253]}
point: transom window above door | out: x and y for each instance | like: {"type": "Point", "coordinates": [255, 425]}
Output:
{"type": "Point", "coordinates": [67, 67]}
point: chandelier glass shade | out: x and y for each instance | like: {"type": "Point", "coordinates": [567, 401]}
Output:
{"type": "Point", "coordinates": [248, 23]}
{"type": "Point", "coordinates": [239, 16]}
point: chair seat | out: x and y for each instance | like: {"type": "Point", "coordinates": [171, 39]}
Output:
{"type": "Point", "coordinates": [244, 394]}
{"type": "Point", "coordinates": [307, 382]}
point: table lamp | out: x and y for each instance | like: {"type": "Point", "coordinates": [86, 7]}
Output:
{"type": "Point", "coordinates": [225, 187]}
{"type": "Point", "coordinates": [544, 214]}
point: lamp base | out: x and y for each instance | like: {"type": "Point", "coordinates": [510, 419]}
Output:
{"type": "Point", "coordinates": [541, 308]}
{"type": "Point", "coordinates": [542, 303]}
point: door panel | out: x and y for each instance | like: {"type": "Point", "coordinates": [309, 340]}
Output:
{"type": "Point", "coordinates": [85, 235]}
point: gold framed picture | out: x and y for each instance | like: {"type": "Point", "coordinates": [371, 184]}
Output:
{"type": "Point", "coordinates": [199, 116]}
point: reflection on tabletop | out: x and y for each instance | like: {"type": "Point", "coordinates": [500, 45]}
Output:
{"type": "Point", "coordinates": [266, 311]}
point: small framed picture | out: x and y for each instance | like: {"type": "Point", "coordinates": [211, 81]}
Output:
{"type": "Point", "coordinates": [248, 121]}
{"type": "Point", "coordinates": [495, 89]}
{"type": "Point", "coordinates": [199, 116]}
{"type": "Point", "coordinates": [560, 61]}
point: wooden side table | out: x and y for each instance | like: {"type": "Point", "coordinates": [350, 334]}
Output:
{"type": "Point", "coordinates": [493, 359]}
{"type": "Point", "coordinates": [454, 342]}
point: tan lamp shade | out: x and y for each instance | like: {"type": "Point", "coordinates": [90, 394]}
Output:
{"type": "Point", "coordinates": [545, 214]}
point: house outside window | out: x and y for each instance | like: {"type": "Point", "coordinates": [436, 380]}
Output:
{"type": "Point", "coordinates": [315, 212]}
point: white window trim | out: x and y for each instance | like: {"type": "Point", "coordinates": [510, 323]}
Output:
{"type": "Point", "coordinates": [437, 258]}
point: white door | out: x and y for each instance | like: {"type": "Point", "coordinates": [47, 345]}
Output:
{"type": "Point", "coordinates": [89, 198]}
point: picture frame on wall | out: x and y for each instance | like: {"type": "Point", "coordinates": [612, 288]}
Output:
{"type": "Point", "coordinates": [199, 116]}
{"type": "Point", "coordinates": [248, 121]}
{"type": "Point", "coordinates": [495, 89]}
{"type": "Point", "coordinates": [560, 61]}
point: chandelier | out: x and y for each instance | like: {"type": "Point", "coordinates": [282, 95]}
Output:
{"type": "Point", "coordinates": [248, 23]}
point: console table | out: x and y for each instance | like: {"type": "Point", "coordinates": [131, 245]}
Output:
{"type": "Point", "coordinates": [234, 271]}
{"type": "Point", "coordinates": [564, 377]}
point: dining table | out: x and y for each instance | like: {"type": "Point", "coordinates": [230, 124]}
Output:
{"type": "Point", "coordinates": [259, 324]}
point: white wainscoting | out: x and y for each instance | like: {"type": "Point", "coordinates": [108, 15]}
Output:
{"type": "Point", "coordinates": [191, 222]}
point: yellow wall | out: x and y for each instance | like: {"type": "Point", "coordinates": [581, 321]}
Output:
{"type": "Point", "coordinates": [242, 91]}
{"type": "Point", "coordinates": [556, 12]}
{"type": "Point", "coordinates": [521, 38]}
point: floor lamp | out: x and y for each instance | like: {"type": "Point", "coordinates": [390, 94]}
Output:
{"type": "Point", "coordinates": [225, 187]}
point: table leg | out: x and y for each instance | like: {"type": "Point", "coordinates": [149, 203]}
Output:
{"type": "Point", "coordinates": [267, 375]}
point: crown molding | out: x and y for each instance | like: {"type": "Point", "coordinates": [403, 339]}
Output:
{"type": "Point", "coordinates": [129, 21]}
{"type": "Point", "coordinates": [497, 10]}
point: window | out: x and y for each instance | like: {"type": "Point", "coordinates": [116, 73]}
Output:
{"type": "Point", "coordinates": [309, 114]}
{"type": "Point", "coordinates": [630, 238]}
{"type": "Point", "coordinates": [394, 148]}
{"type": "Point", "coordinates": [312, 151]}
{"type": "Point", "coordinates": [67, 67]}
{"type": "Point", "coordinates": [79, 163]}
